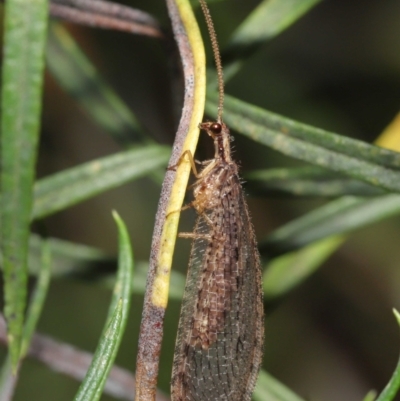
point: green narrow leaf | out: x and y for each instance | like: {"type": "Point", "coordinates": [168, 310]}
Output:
{"type": "Point", "coordinates": [337, 217]}
{"type": "Point", "coordinates": [80, 261]}
{"type": "Point", "coordinates": [38, 298]}
{"type": "Point", "coordinates": [378, 167]}
{"type": "Point", "coordinates": [306, 181]}
{"type": "Point", "coordinates": [371, 396]}
{"type": "Point", "coordinates": [93, 384]}
{"type": "Point", "coordinates": [123, 286]}
{"type": "Point", "coordinates": [267, 20]}
{"type": "Point", "coordinates": [77, 75]}
{"type": "Point", "coordinates": [123, 283]}
{"type": "Point", "coordinates": [392, 388]}
{"type": "Point", "coordinates": [314, 233]}
{"type": "Point", "coordinates": [287, 237]}
{"type": "Point", "coordinates": [270, 389]}
{"type": "Point", "coordinates": [71, 186]}
{"type": "Point", "coordinates": [22, 79]}
{"type": "Point", "coordinates": [290, 173]}
{"type": "Point", "coordinates": [317, 136]}
{"type": "Point", "coordinates": [286, 271]}
{"type": "Point", "coordinates": [68, 258]}
{"type": "Point", "coordinates": [102, 359]}
{"type": "Point", "coordinates": [7, 378]}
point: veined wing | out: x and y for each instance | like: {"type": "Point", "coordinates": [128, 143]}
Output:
{"type": "Point", "coordinates": [220, 335]}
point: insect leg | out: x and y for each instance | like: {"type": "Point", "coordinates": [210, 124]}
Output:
{"type": "Point", "coordinates": [191, 160]}
{"type": "Point", "coordinates": [195, 236]}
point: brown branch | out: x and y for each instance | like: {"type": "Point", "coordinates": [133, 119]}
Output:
{"type": "Point", "coordinates": [112, 10]}
{"type": "Point", "coordinates": [151, 330]}
{"type": "Point", "coordinates": [106, 15]}
{"type": "Point", "coordinates": [74, 363]}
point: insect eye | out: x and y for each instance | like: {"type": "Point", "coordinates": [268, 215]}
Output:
{"type": "Point", "coordinates": [216, 128]}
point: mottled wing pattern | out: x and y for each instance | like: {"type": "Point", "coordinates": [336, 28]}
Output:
{"type": "Point", "coordinates": [220, 336]}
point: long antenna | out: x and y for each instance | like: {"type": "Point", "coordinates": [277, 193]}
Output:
{"type": "Point", "coordinates": [217, 57]}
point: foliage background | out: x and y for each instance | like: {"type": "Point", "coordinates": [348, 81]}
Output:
{"type": "Point", "coordinates": [338, 68]}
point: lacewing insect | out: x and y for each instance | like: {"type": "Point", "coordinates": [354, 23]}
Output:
{"type": "Point", "coordinates": [221, 329]}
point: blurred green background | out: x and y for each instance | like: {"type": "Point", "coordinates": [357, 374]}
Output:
{"type": "Point", "coordinates": [333, 338]}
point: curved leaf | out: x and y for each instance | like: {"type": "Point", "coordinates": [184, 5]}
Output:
{"type": "Point", "coordinates": [392, 388]}
{"type": "Point", "coordinates": [93, 384]}
{"type": "Point", "coordinates": [123, 284]}
{"type": "Point", "coordinates": [91, 387]}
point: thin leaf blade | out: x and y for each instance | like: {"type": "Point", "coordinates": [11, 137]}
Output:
{"type": "Point", "coordinates": [338, 217]}
{"type": "Point", "coordinates": [79, 77]}
{"type": "Point", "coordinates": [266, 21]}
{"type": "Point", "coordinates": [8, 379]}
{"type": "Point", "coordinates": [38, 298]}
{"type": "Point", "coordinates": [306, 181]}
{"type": "Point", "coordinates": [356, 159]}
{"type": "Point", "coordinates": [22, 81]}
{"type": "Point", "coordinates": [102, 360]}
{"type": "Point", "coordinates": [286, 271]}
{"type": "Point", "coordinates": [392, 388]}
{"type": "Point", "coordinates": [268, 388]}
{"type": "Point", "coordinates": [76, 184]}
{"type": "Point", "coordinates": [93, 384]}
